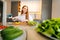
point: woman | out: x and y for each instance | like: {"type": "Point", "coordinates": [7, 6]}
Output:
{"type": "Point", "coordinates": [24, 16]}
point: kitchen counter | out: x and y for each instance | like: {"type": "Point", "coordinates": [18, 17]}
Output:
{"type": "Point", "coordinates": [31, 34]}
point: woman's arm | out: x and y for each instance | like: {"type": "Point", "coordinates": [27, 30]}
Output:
{"type": "Point", "coordinates": [15, 18]}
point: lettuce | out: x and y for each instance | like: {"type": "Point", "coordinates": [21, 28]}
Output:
{"type": "Point", "coordinates": [50, 27]}
{"type": "Point", "coordinates": [32, 23]}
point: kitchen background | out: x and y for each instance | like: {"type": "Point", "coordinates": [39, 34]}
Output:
{"type": "Point", "coordinates": [39, 9]}
{"type": "Point", "coordinates": [36, 9]}
{"type": "Point", "coordinates": [33, 7]}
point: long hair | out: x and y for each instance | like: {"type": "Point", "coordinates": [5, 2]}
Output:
{"type": "Point", "coordinates": [27, 16]}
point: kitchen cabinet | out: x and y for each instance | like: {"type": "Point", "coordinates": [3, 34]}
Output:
{"type": "Point", "coordinates": [14, 8]}
{"type": "Point", "coordinates": [1, 10]}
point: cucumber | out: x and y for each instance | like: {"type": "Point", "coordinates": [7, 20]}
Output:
{"type": "Point", "coordinates": [11, 33]}
{"type": "Point", "coordinates": [12, 36]}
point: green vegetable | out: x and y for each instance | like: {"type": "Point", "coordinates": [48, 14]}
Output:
{"type": "Point", "coordinates": [49, 31]}
{"type": "Point", "coordinates": [32, 23]}
{"type": "Point", "coordinates": [50, 27]}
{"type": "Point", "coordinates": [11, 33]}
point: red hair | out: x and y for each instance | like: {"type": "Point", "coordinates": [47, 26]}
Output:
{"type": "Point", "coordinates": [27, 17]}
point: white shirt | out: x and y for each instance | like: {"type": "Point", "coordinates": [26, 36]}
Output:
{"type": "Point", "coordinates": [23, 17]}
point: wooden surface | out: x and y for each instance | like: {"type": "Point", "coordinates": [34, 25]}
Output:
{"type": "Point", "coordinates": [0, 23]}
{"type": "Point", "coordinates": [16, 23]}
{"type": "Point", "coordinates": [32, 34]}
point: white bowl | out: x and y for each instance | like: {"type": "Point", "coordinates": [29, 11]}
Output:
{"type": "Point", "coordinates": [22, 37]}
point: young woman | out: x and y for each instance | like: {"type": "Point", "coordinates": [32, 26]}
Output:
{"type": "Point", "coordinates": [24, 16]}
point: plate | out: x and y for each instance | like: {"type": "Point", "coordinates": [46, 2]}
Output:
{"type": "Point", "coordinates": [48, 36]}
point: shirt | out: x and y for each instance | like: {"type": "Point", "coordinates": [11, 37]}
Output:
{"type": "Point", "coordinates": [23, 17]}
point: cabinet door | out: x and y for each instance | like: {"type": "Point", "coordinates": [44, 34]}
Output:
{"type": "Point", "coordinates": [1, 10]}
{"type": "Point", "coordinates": [14, 8]}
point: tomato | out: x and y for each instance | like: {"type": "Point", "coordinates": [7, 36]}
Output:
{"type": "Point", "coordinates": [3, 27]}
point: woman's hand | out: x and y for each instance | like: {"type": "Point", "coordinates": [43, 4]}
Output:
{"type": "Point", "coordinates": [14, 19]}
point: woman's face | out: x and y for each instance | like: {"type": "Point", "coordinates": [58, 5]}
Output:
{"type": "Point", "coordinates": [25, 9]}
